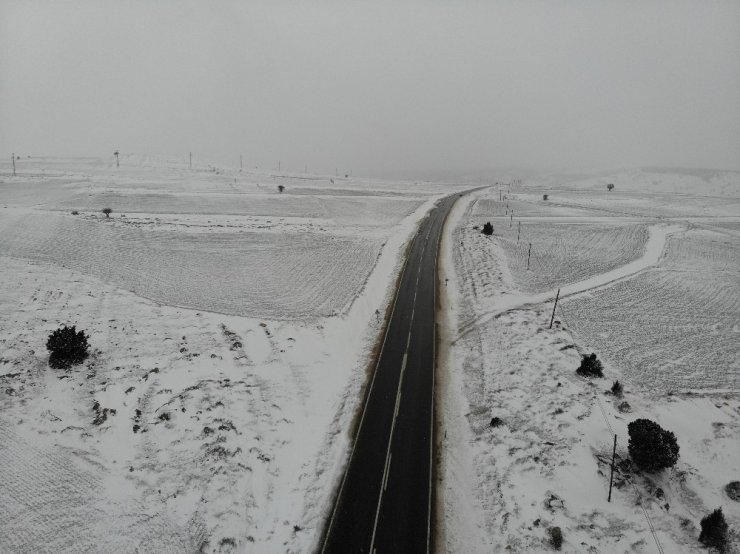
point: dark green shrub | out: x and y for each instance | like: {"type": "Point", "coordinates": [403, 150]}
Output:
{"type": "Point", "coordinates": [556, 537]}
{"type": "Point", "coordinates": [67, 347]}
{"type": "Point", "coordinates": [488, 228]}
{"type": "Point", "coordinates": [651, 447]}
{"type": "Point", "coordinates": [590, 367]}
{"type": "Point", "coordinates": [732, 489]}
{"type": "Point", "coordinates": [617, 389]}
{"type": "Point", "coordinates": [714, 530]}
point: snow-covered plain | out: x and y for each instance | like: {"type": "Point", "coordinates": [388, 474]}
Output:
{"type": "Point", "coordinates": [231, 327]}
{"type": "Point", "coordinates": [650, 281]}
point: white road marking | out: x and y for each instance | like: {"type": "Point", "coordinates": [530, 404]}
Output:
{"type": "Point", "coordinates": [364, 409]}
{"type": "Point", "coordinates": [398, 397]}
{"type": "Point", "coordinates": [398, 404]}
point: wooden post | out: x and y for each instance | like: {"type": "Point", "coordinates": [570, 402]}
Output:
{"type": "Point", "coordinates": [116, 155]}
{"type": "Point", "coordinates": [12, 157]}
{"type": "Point", "coordinates": [279, 165]}
{"type": "Point", "coordinates": [611, 478]}
{"type": "Point", "coordinates": [528, 255]}
{"type": "Point", "coordinates": [511, 221]}
{"type": "Point", "coordinates": [553, 308]}
{"type": "Point", "coordinates": [519, 231]}
{"type": "Point", "coordinates": [241, 162]}
{"type": "Point", "coordinates": [190, 163]}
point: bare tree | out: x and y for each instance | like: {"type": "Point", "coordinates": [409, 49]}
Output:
{"type": "Point", "coordinates": [107, 212]}
{"type": "Point", "coordinates": [281, 188]}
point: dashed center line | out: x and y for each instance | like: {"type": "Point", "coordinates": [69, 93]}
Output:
{"type": "Point", "coordinates": [386, 469]}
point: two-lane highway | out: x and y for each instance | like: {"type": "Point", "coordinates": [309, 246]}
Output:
{"type": "Point", "coordinates": [384, 502]}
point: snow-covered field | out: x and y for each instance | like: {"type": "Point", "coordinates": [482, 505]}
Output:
{"type": "Point", "coordinates": [650, 281]}
{"type": "Point", "coordinates": [231, 326]}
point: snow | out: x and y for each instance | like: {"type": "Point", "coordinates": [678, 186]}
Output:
{"type": "Point", "coordinates": [237, 344]}
{"type": "Point", "coordinates": [547, 464]}
{"type": "Point", "coordinates": [234, 326]}
{"type": "Point", "coordinates": [680, 319]}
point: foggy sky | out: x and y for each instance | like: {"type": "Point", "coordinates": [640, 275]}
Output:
{"type": "Point", "coordinates": [376, 86]}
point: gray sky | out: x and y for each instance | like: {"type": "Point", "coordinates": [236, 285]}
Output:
{"type": "Point", "coordinates": [376, 86]}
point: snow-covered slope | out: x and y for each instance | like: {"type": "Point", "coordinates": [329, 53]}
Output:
{"type": "Point", "coordinates": [526, 443]}
{"type": "Point", "coordinates": [231, 326]}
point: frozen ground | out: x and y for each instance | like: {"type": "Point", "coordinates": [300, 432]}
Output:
{"type": "Point", "coordinates": [207, 240]}
{"type": "Point", "coordinates": [664, 320]}
{"type": "Point", "coordinates": [230, 347]}
{"type": "Point", "coordinates": [675, 327]}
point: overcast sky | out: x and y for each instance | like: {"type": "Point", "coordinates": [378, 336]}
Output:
{"type": "Point", "coordinates": [376, 86]}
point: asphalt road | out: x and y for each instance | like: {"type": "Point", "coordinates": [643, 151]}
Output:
{"type": "Point", "coordinates": [385, 499]}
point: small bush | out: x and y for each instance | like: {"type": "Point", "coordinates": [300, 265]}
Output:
{"type": "Point", "coordinates": [714, 530]}
{"type": "Point", "coordinates": [281, 188]}
{"type": "Point", "coordinates": [590, 367]}
{"type": "Point", "coordinates": [107, 212]}
{"type": "Point", "coordinates": [496, 422]}
{"type": "Point", "coordinates": [488, 228]}
{"type": "Point", "coordinates": [617, 389]}
{"type": "Point", "coordinates": [75, 212]}
{"type": "Point", "coordinates": [651, 447]}
{"type": "Point", "coordinates": [67, 347]}
{"type": "Point", "coordinates": [544, 197]}
{"type": "Point", "coordinates": [610, 187]}
{"type": "Point", "coordinates": [556, 537]}
{"type": "Point", "coordinates": [732, 489]}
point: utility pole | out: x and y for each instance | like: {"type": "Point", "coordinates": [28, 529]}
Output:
{"type": "Point", "coordinates": [190, 163]}
{"type": "Point", "coordinates": [116, 155]}
{"type": "Point", "coordinates": [12, 157]}
{"type": "Point", "coordinates": [528, 255]}
{"type": "Point", "coordinates": [553, 315]}
{"type": "Point", "coordinates": [611, 478]}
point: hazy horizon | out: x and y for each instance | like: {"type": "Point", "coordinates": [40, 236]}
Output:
{"type": "Point", "coordinates": [378, 89]}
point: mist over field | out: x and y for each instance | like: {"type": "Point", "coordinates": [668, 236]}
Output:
{"type": "Point", "coordinates": [411, 89]}
{"type": "Point", "coordinates": [450, 276]}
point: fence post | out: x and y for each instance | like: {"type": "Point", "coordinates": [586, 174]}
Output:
{"type": "Point", "coordinates": [611, 478]}
{"type": "Point", "coordinates": [553, 308]}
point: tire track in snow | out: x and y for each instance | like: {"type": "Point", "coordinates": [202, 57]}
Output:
{"type": "Point", "coordinates": [653, 253]}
